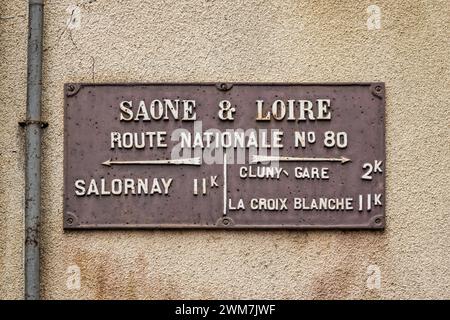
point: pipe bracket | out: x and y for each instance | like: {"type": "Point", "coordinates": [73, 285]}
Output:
{"type": "Point", "coordinates": [42, 124]}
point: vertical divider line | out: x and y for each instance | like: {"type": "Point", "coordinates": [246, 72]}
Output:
{"type": "Point", "coordinates": [225, 184]}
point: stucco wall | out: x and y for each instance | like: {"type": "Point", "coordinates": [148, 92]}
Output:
{"type": "Point", "coordinates": [288, 41]}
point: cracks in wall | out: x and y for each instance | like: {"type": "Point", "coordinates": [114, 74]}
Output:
{"type": "Point", "coordinates": [93, 68]}
{"type": "Point", "coordinates": [87, 2]}
{"type": "Point", "coordinates": [60, 34]}
{"type": "Point", "coordinates": [73, 41]}
{"type": "Point", "coordinates": [72, 24]}
{"type": "Point", "coordinates": [12, 17]}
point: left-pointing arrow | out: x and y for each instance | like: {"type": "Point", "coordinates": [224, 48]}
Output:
{"type": "Point", "coordinates": [188, 161]}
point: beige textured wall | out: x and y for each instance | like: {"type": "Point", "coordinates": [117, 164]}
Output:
{"type": "Point", "coordinates": [237, 40]}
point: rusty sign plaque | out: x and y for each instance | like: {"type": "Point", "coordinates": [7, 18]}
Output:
{"type": "Point", "coordinates": [226, 155]}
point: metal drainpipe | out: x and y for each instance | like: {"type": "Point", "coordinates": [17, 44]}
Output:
{"type": "Point", "coordinates": [33, 125]}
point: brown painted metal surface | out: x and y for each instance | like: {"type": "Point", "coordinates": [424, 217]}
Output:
{"type": "Point", "coordinates": [92, 113]}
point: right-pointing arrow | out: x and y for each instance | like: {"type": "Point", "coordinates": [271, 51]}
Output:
{"type": "Point", "coordinates": [257, 159]}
